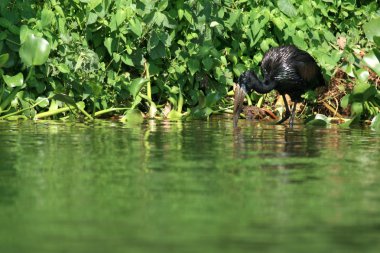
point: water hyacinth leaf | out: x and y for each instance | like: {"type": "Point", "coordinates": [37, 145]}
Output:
{"type": "Point", "coordinates": [24, 32]}
{"type": "Point", "coordinates": [3, 59]}
{"type": "Point", "coordinates": [133, 116]}
{"type": "Point", "coordinates": [372, 28]}
{"type": "Point", "coordinates": [174, 115]}
{"type": "Point", "coordinates": [372, 60]}
{"type": "Point", "coordinates": [319, 120]}
{"type": "Point", "coordinates": [42, 101]}
{"type": "Point", "coordinates": [357, 108]}
{"type": "Point", "coordinates": [345, 101]}
{"type": "Point", "coordinates": [14, 81]}
{"type": "Point", "coordinates": [362, 75]}
{"type": "Point", "coordinates": [136, 85]}
{"type": "Point", "coordinates": [375, 123]}
{"type": "Point", "coordinates": [34, 51]}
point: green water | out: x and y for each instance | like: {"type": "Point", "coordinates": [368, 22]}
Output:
{"type": "Point", "coordinates": [188, 187]}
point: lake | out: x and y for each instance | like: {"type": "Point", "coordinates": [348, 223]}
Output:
{"type": "Point", "coordinates": [197, 186]}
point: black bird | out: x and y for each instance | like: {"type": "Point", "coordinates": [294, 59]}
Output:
{"type": "Point", "coordinates": [286, 69]}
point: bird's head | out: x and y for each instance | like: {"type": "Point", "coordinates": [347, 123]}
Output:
{"type": "Point", "coordinates": [246, 80]}
{"type": "Point", "coordinates": [244, 84]}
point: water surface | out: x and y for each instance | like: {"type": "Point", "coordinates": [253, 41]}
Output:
{"type": "Point", "coordinates": [196, 186]}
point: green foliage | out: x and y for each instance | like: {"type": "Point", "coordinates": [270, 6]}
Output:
{"type": "Point", "coordinates": [145, 54]}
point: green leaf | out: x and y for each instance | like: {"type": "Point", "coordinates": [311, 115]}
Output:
{"type": "Point", "coordinates": [287, 7]}
{"type": "Point", "coordinates": [127, 60]}
{"type": "Point", "coordinates": [34, 51]}
{"type": "Point", "coordinates": [207, 63]}
{"type": "Point", "coordinates": [372, 60]}
{"type": "Point", "coordinates": [357, 108]}
{"type": "Point", "coordinates": [47, 17]}
{"type": "Point", "coordinates": [351, 122]}
{"type": "Point", "coordinates": [376, 39]}
{"type": "Point", "coordinates": [63, 68]}
{"type": "Point", "coordinates": [375, 123]}
{"type": "Point", "coordinates": [362, 74]}
{"type": "Point", "coordinates": [319, 120]}
{"type": "Point", "coordinates": [120, 16]}
{"type": "Point", "coordinates": [372, 28]}
{"type": "Point", "coordinates": [193, 65]}
{"type": "Point", "coordinates": [14, 81]}
{"type": "Point", "coordinates": [92, 4]}
{"type": "Point", "coordinates": [3, 59]}
{"type": "Point", "coordinates": [133, 116]}
{"type": "Point", "coordinates": [135, 26]}
{"type": "Point", "coordinates": [43, 102]}
{"type": "Point", "coordinates": [345, 101]}
{"type": "Point", "coordinates": [162, 5]}
{"type": "Point", "coordinates": [360, 88]}
{"type": "Point", "coordinates": [213, 24]}
{"type": "Point", "coordinates": [92, 18]}
{"type": "Point", "coordinates": [24, 33]}
{"type": "Point", "coordinates": [212, 99]}
{"type": "Point", "coordinates": [174, 115]}
{"type": "Point", "coordinates": [136, 85]}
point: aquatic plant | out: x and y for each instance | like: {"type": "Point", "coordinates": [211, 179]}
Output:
{"type": "Point", "coordinates": [174, 59]}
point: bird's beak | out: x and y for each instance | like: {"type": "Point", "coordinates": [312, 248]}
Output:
{"type": "Point", "coordinates": [238, 102]}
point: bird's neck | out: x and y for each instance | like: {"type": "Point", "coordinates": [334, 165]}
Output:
{"type": "Point", "coordinates": [260, 86]}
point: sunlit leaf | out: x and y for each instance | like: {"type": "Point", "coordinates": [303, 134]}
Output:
{"type": "Point", "coordinates": [372, 28]}
{"type": "Point", "coordinates": [47, 17]}
{"type": "Point", "coordinates": [63, 68]}
{"type": "Point", "coordinates": [319, 120]}
{"type": "Point", "coordinates": [14, 81]}
{"type": "Point", "coordinates": [372, 60]}
{"type": "Point", "coordinates": [174, 115]}
{"type": "Point", "coordinates": [34, 51]}
{"type": "Point", "coordinates": [162, 5]}
{"type": "Point", "coordinates": [362, 74]}
{"type": "Point", "coordinates": [287, 7]}
{"type": "Point", "coordinates": [345, 101]}
{"type": "Point", "coordinates": [214, 23]}
{"type": "Point", "coordinates": [135, 26]}
{"type": "Point", "coordinates": [42, 101]}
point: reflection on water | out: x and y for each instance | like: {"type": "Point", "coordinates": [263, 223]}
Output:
{"type": "Point", "coordinates": [188, 186]}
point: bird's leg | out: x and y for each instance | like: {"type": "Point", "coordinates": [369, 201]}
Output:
{"type": "Point", "coordinates": [287, 111]}
{"type": "Point", "coordinates": [293, 114]}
